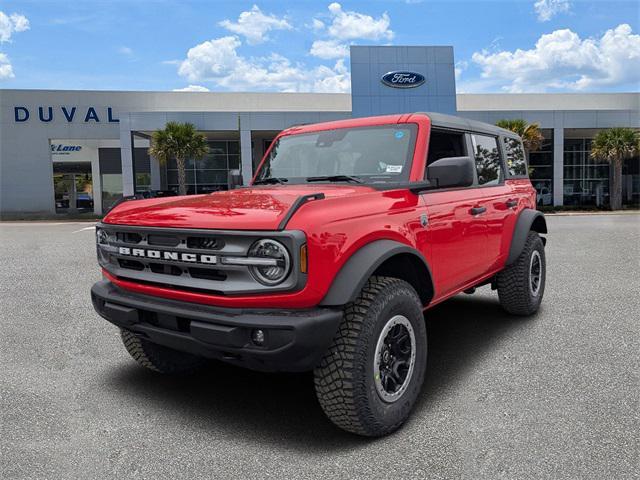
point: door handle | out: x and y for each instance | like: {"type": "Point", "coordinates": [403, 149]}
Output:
{"type": "Point", "coordinates": [512, 202]}
{"type": "Point", "coordinates": [477, 210]}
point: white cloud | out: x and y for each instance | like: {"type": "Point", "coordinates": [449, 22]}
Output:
{"type": "Point", "coordinates": [6, 70]}
{"type": "Point", "coordinates": [460, 67]}
{"type": "Point", "coordinates": [218, 61]}
{"type": "Point", "coordinates": [349, 25]}
{"type": "Point", "coordinates": [192, 88]}
{"type": "Point", "coordinates": [562, 60]}
{"type": "Point", "coordinates": [125, 51]}
{"type": "Point", "coordinates": [210, 59]}
{"type": "Point", "coordinates": [344, 27]}
{"type": "Point", "coordinates": [10, 24]}
{"type": "Point", "coordinates": [317, 25]}
{"type": "Point", "coordinates": [547, 9]}
{"type": "Point", "coordinates": [328, 49]}
{"type": "Point", "coordinates": [332, 80]}
{"type": "Point", "coordinates": [254, 25]}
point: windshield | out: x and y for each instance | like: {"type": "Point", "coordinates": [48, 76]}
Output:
{"type": "Point", "coordinates": [359, 155]}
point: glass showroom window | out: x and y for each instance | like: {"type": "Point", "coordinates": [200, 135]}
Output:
{"type": "Point", "coordinates": [541, 168]}
{"type": "Point", "coordinates": [110, 176]}
{"type": "Point", "coordinates": [141, 162]}
{"type": "Point", "coordinates": [210, 173]}
{"type": "Point", "coordinates": [586, 182]}
{"type": "Point", "coordinates": [142, 169]}
{"type": "Point", "coordinates": [631, 182]}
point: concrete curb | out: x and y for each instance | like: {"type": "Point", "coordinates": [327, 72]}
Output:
{"type": "Point", "coordinates": [569, 214]}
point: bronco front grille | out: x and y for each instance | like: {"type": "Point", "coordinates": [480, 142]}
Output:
{"type": "Point", "coordinates": [205, 243]}
{"type": "Point", "coordinates": [128, 237]}
{"type": "Point", "coordinates": [191, 259]}
{"type": "Point", "coordinates": [160, 240]}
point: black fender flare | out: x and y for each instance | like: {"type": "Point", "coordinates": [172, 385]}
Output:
{"type": "Point", "coordinates": [528, 220]}
{"type": "Point", "coordinates": [361, 265]}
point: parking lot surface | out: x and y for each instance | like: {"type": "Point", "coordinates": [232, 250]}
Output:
{"type": "Point", "coordinates": [553, 396]}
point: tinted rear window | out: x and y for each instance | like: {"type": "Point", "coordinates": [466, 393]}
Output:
{"type": "Point", "coordinates": [487, 156]}
{"type": "Point", "coordinates": [516, 163]}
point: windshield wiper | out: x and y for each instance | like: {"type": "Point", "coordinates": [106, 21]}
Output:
{"type": "Point", "coordinates": [270, 180]}
{"type": "Point", "coordinates": [334, 178]}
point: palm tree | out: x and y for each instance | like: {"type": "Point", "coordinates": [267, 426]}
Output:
{"type": "Point", "coordinates": [529, 132]}
{"type": "Point", "coordinates": [614, 146]}
{"type": "Point", "coordinates": [182, 142]}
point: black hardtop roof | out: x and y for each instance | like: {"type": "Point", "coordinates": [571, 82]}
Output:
{"type": "Point", "coordinates": [459, 123]}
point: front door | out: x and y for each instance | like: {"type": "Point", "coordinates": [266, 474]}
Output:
{"type": "Point", "coordinates": [457, 236]}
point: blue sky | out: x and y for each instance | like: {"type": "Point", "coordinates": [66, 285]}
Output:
{"type": "Point", "coordinates": [287, 45]}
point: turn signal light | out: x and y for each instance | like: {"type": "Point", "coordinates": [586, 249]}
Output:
{"type": "Point", "coordinates": [303, 258]}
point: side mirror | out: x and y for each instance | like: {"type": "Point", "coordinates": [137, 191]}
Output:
{"type": "Point", "coordinates": [234, 179]}
{"type": "Point", "coordinates": [451, 172]}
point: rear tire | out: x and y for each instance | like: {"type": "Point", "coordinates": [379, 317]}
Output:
{"type": "Point", "coordinates": [158, 358]}
{"type": "Point", "coordinates": [371, 375]}
{"type": "Point", "coordinates": [521, 284]}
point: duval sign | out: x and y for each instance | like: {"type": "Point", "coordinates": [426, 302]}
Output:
{"type": "Point", "coordinates": [403, 79]}
{"type": "Point", "coordinates": [65, 113]}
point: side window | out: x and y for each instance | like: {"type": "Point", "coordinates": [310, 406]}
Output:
{"type": "Point", "coordinates": [487, 156]}
{"type": "Point", "coordinates": [516, 164]}
{"type": "Point", "coordinates": [443, 144]}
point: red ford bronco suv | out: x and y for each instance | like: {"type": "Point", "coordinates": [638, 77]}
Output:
{"type": "Point", "coordinates": [349, 231]}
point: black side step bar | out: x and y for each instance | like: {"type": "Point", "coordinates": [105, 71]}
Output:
{"type": "Point", "coordinates": [300, 201]}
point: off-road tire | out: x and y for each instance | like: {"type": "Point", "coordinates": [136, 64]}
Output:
{"type": "Point", "coordinates": [159, 358]}
{"type": "Point", "coordinates": [514, 289]}
{"type": "Point", "coordinates": [344, 379]}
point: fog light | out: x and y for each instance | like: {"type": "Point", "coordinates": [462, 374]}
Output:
{"type": "Point", "coordinates": [257, 336]}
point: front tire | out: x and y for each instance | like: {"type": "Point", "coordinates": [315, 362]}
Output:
{"type": "Point", "coordinates": [521, 284]}
{"type": "Point", "coordinates": [371, 375]}
{"type": "Point", "coordinates": [159, 358]}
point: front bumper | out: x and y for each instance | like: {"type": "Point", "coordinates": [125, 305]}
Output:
{"type": "Point", "coordinates": [295, 340]}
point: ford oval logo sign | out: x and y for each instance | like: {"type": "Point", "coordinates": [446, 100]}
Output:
{"type": "Point", "coordinates": [402, 79]}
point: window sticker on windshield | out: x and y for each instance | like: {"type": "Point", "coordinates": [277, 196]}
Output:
{"type": "Point", "coordinates": [394, 169]}
{"type": "Point", "coordinates": [399, 134]}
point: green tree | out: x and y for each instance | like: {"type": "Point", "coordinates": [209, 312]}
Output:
{"type": "Point", "coordinates": [529, 132]}
{"type": "Point", "coordinates": [182, 142]}
{"type": "Point", "coordinates": [614, 146]}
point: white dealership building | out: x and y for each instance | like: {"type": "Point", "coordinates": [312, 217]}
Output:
{"type": "Point", "coordinates": [64, 152]}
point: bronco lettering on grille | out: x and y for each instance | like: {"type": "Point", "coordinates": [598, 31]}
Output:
{"type": "Point", "coordinates": [168, 255]}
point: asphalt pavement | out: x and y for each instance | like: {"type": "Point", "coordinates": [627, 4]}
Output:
{"type": "Point", "coordinates": [552, 396]}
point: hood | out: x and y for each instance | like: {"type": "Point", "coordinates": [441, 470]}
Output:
{"type": "Point", "coordinates": [254, 208]}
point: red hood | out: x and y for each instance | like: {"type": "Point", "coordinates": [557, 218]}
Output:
{"type": "Point", "coordinates": [256, 208]}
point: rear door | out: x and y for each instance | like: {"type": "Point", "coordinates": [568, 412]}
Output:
{"type": "Point", "coordinates": [519, 190]}
{"type": "Point", "coordinates": [498, 202]}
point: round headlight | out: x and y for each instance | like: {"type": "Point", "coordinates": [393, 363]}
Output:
{"type": "Point", "coordinates": [274, 272]}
